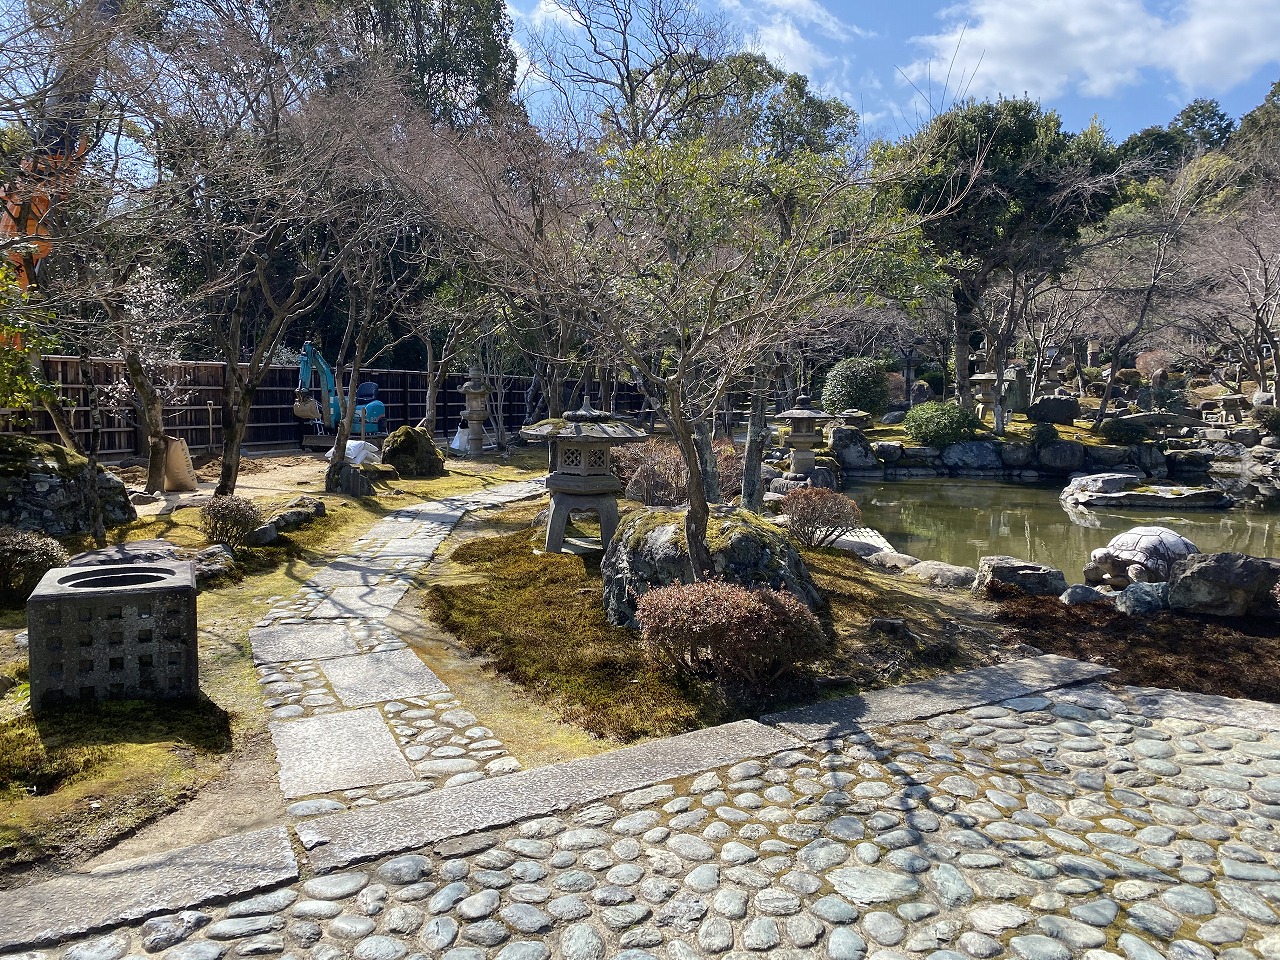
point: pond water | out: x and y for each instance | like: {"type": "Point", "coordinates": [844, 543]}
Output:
{"type": "Point", "coordinates": [958, 521]}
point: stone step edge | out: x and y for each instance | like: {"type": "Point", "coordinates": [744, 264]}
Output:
{"type": "Point", "coordinates": [931, 698]}
{"type": "Point", "coordinates": [339, 840]}
{"type": "Point", "coordinates": [55, 910]}
{"type": "Point", "coordinates": [1179, 704]}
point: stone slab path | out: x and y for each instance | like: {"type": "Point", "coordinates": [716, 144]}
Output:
{"type": "Point", "coordinates": [358, 718]}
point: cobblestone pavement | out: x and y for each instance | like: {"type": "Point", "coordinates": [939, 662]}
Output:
{"type": "Point", "coordinates": [358, 719]}
{"type": "Point", "coordinates": [1085, 822]}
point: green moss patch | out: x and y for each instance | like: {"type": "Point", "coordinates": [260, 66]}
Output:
{"type": "Point", "coordinates": [18, 452]}
{"type": "Point", "coordinates": [540, 619]}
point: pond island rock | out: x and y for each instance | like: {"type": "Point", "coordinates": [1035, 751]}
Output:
{"type": "Point", "coordinates": [650, 550]}
{"type": "Point", "coordinates": [1130, 490]}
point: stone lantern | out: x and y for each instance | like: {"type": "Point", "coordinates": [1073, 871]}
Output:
{"type": "Point", "coordinates": [984, 384]}
{"type": "Point", "coordinates": [581, 478]}
{"type": "Point", "coordinates": [476, 411]}
{"type": "Point", "coordinates": [806, 426]}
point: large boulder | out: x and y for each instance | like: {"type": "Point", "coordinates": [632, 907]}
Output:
{"type": "Point", "coordinates": [650, 550]}
{"type": "Point", "coordinates": [296, 513]}
{"type": "Point", "coordinates": [943, 574]}
{"type": "Point", "coordinates": [973, 455]}
{"type": "Point", "coordinates": [412, 452]}
{"type": "Point", "coordinates": [1223, 585]}
{"type": "Point", "coordinates": [1016, 453]}
{"type": "Point", "coordinates": [1063, 410]}
{"type": "Point", "coordinates": [1107, 455]}
{"type": "Point", "coordinates": [1035, 579]}
{"type": "Point", "coordinates": [1061, 456]}
{"type": "Point", "coordinates": [1150, 458]}
{"type": "Point", "coordinates": [850, 447]}
{"type": "Point", "coordinates": [46, 487]}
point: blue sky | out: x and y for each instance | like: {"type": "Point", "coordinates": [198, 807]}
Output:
{"type": "Point", "coordinates": [1134, 63]}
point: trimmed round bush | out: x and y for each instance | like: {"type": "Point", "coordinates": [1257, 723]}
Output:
{"type": "Point", "coordinates": [859, 383]}
{"type": "Point", "coordinates": [1043, 434]}
{"type": "Point", "coordinates": [1117, 431]}
{"type": "Point", "coordinates": [725, 632]}
{"type": "Point", "coordinates": [25, 557]}
{"type": "Point", "coordinates": [939, 423]}
{"type": "Point", "coordinates": [229, 520]}
{"type": "Point", "coordinates": [817, 516]}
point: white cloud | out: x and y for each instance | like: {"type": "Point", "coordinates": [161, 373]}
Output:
{"type": "Point", "coordinates": [1096, 48]}
{"type": "Point", "coordinates": [797, 34]}
{"type": "Point", "coordinates": [783, 43]}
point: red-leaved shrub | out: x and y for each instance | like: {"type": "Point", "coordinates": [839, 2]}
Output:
{"type": "Point", "coordinates": [817, 516]}
{"type": "Point", "coordinates": [721, 630]}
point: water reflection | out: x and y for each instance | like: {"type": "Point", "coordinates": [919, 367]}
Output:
{"type": "Point", "coordinates": [959, 521]}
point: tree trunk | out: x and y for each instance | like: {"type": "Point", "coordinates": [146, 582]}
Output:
{"type": "Point", "coordinates": [555, 390]}
{"type": "Point", "coordinates": [97, 528]}
{"type": "Point", "coordinates": [151, 410]}
{"type": "Point", "coordinates": [757, 438]}
{"type": "Point", "coordinates": [702, 439]}
{"type": "Point", "coordinates": [237, 398]}
{"type": "Point", "coordinates": [49, 400]}
{"type": "Point", "coordinates": [428, 421]}
{"type": "Point", "coordinates": [1111, 383]}
{"type": "Point", "coordinates": [965, 326]}
{"type": "Point", "coordinates": [696, 517]}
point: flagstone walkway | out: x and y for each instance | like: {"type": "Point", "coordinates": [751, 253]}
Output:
{"type": "Point", "coordinates": [358, 718]}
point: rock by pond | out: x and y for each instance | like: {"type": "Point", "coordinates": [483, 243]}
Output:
{"type": "Point", "coordinates": [1121, 490]}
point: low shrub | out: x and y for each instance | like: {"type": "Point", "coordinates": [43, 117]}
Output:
{"type": "Point", "coordinates": [1093, 374]}
{"type": "Point", "coordinates": [1043, 434]}
{"type": "Point", "coordinates": [229, 520]}
{"type": "Point", "coordinates": [938, 423]}
{"type": "Point", "coordinates": [25, 557]}
{"type": "Point", "coordinates": [652, 472]}
{"type": "Point", "coordinates": [817, 516]}
{"type": "Point", "coordinates": [934, 378]}
{"type": "Point", "coordinates": [1117, 431]}
{"type": "Point", "coordinates": [859, 383]}
{"type": "Point", "coordinates": [897, 385]}
{"type": "Point", "coordinates": [727, 632]}
{"type": "Point", "coordinates": [1129, 377]}
{"type": "Point", "coordinates": [1268, 419]}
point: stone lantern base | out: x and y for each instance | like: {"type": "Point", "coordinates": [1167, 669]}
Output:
{"type": "Point", "coordinates": [605, 506]}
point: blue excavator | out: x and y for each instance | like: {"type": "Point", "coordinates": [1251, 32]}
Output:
{"type": "Point", "coordinates": [324, 414]}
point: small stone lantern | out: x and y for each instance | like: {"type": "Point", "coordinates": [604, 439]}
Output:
{"type": "Point", "coordinates": [806, 426]}
{"type": "Point", "coordinates": [476, 391]}
{"type": "Point", "coordinates": [985, 386]}
{"type": "Point", "coordinates": [582, 479]}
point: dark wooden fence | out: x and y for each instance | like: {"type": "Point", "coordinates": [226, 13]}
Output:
{"type": "Point", "coordinates": [196, 416]}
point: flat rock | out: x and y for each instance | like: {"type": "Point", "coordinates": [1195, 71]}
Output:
{"type": "Point", "coordinates": [377, 677]}
{"type": "Point", "coordinates": [873, 885]}
{"type": "Point", "coordinates": [337, 751]}
{"type": "Point", "coordinates": [360, 603]}
{"type": "Point", "coordinates": [286, 642]}
{"type": "Point", "coordinates": [413, 822]}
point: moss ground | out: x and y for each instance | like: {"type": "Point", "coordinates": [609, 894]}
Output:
{"type": "Point", "coordinates": [1018, 428]}
{"type": "Point", "coordinates": [73, 784]}
{"type": "Point", "coordinates": [540, 622]}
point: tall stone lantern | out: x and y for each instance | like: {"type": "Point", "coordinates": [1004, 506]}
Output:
{"type": "Point", "coordinates": [806, 426]}
{"type": "Point", "coordinates": [476, 411]}
{"type": "Point", "coordinates": [581, 478]}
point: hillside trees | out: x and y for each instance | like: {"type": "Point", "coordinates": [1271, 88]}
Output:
{"type": "Point", "coordinates": [1020, 190]}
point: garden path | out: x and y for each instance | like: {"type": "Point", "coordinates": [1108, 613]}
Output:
{"type": "Point", "coordinates": [358, 718]}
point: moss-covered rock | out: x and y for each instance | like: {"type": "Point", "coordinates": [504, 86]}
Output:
{"type": "Point", "coordinates": [650, 550]}
{"type": "Point", "coordinates": [44, 487]}
{"type": "Point", "coordinates": [413, 453]}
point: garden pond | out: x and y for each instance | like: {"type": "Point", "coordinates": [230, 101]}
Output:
{"type": "Point", "coordinates": [958, 521]}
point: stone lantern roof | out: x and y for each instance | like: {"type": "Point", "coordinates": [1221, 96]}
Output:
{"type": "Point", "coordinates": [803, 418]}
{"type": "Point", "coordinates": [586, 425]}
